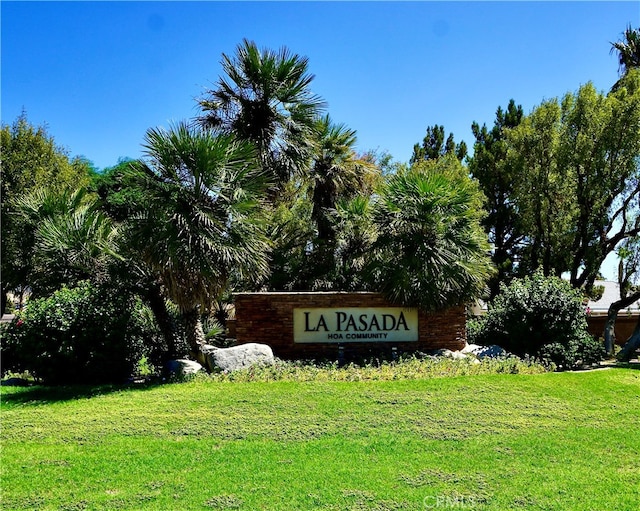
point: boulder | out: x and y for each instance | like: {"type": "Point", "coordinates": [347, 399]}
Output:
{"type": "Point", "coordinates": [183, 367]}
{"type": "Point", "coordinates": [455, 355]}
{"type": "Point", "coordinates": [15, 382]}
{"type": "Point", "coordinates": [493, 351]}
{"type": "Point", "coordinates": [238, 357]}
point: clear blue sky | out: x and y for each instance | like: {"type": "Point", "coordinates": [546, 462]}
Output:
{"type": "Point", "coordinates": [99, 74]}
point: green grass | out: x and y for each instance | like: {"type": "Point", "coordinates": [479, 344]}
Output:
{"type": "Point", "coordinates": [565, 441]}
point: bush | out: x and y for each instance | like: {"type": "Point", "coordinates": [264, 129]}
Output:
{"type": "Point", "coordinates": [543, 317]}
{"type": "Point", "coordinates": [79, 335]}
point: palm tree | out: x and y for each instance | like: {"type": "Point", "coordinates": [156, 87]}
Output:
{"type": "Point", "coordinates": [203, 191]}
{"type": "Point", "coordinates": [628, 52]}
{"type": "Point", "coordinates": [357, 234]}
{"type": "Point", "coordinates": [265, 98]}
{"type": "Point", "coordinates": [337, 173]}
{"type": "Point", "coordinates": [431, 250]}
{"type": "Point", "coordinates": [67, 237]}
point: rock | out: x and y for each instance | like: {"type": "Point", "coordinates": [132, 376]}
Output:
{"type": "Point", "coordinates": [238, 357]}
{"type": "Point", "coordinates": [15, 382]}
{"type": "Point", "coordinates": [493, 351]}
{"type": "Point", "coordinates": [183, 367]}
{"type": "Point", "coordinates": [471, 348]}
{"type": "Point", "coordinates": [455, 355]}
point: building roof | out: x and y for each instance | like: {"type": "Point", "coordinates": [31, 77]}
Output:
{"type": "Point", "coordinates": [596, 307]}
{"type": "Point", "coordinates": [611, 294]}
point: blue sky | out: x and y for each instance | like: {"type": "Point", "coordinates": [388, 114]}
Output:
{"type": "Point", "coordinates": [99, 74]}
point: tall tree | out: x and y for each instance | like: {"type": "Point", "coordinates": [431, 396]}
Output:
{"type": "Point", "coordinates": [628, 276]}
{"type": "Point", "coordinates": [434, 146]}
{"type": "Point", "coordinates": [578, 179]}
{"type": "Point", "coordinates": [204, 191]}
{"type": "Point", "coordinates": [357, 234]}
{"type": "Point", "coordinates": [542, 191]}
{"type": "Point", "coordinates": [30, 160]}
{"type": "Point", "coordinates": [431, 250]}
{"type": "Point", "coordinates": [336, 173]}
{"type": "Point", "coordinates": [265, 98]}
{"type": "Point", "coordinates": [496, 176]}
{"type": "Point", "coordinates": [628, 52]}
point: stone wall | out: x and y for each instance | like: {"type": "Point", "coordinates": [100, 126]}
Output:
{"type": "Point", "coordinates": [268, 318]}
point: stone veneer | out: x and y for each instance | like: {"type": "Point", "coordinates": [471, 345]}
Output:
{"type": "Point", "coordinates": [268, 318]}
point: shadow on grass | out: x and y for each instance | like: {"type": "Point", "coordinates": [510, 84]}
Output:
{"type": "Point", "coordinates": [42, 395]}
{"type": "Point", "coordinates": [634, 364]}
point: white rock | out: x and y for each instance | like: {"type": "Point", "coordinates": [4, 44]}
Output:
{"type": "Point", "coordinates": [455, 355]}
{"type": "Point", "coordinates": [183, 367]}
{"type": "Point", "coordinates": [239, 357]}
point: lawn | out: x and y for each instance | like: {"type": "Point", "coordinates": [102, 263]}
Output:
{"type": "Point", "coordinates": [553, 441]}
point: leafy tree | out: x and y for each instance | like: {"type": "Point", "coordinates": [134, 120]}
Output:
{"type": "Point", "coordinates": [30, 160]}
{"type": "Point", "coordinates": [265, 98]}
{"type": "Point", "coordinates": [203, 190]}
{"type": "Point", "coordinates": [542, 193]}
{"type": "Point", "coordinates": [434, 146]}
{"type": "Point", "coordinates": [116, 189]}
{"type": "Point", "coordinates": [628, 52]}
{"type": "Point", "coordinates": [628, 278]}
{"type": "Point", "coordinates": [578, 179]}
{"type": "Point", "coordinates": [497, 176]}
{"type": "Point", "coordinates": [431, 250]}
{"type": "Point", "coordinates": [291, 230]}
{"type": "Point", "coordinates": [122, 196]}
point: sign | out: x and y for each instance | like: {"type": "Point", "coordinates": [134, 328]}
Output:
{"type": "Point", "coordinates": [355, 324]}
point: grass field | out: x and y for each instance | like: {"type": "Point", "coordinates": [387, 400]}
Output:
{"type": "Point", "coordinates": [554, 441]}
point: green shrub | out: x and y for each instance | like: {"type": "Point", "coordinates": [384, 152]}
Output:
{"type": "Point", "coordinates": [79, 335]}
{"type": "Point", "coordinates": [542, 317]}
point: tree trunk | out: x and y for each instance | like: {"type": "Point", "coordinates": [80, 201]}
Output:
{"type": "Point", "coordinates": [193, 330]}
{"type": "Point", "coordinates": [158, 306]}
{"type": "Point", "coordinates": [609, 328]}
{"type": "Point", "coordinates": [5, 301]}
{"type": "Point", "coordinates": [632, 344]}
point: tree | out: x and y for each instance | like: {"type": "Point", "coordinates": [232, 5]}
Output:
{"type": "Point", "coordinates": [431, 250]}
{"type": "Point", "coordinates": [265, 98]}
{"type": "Point", "coordinates": [357, 234]}
{"type": "Point", "coordinates": [578, 179]}
{"type": "Point", "coordinates": [71, 240]}
{"type": "Point", "coordinates": [542, 190]}
{"type": "Point", "coordinates": [434, 146]}
{"type": "Point", "coordinates": [30, 160]}
{"type": "Point", "coordinates": [336, 173]}
{"type": "Point", "coordinates": [628, 52]}
{"type": "Point", "coordinates": [628, 277]}
{"type": "Point", "coordinates": [497, 177]}
{"type": "Point", "coordinates": [203, 191]}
